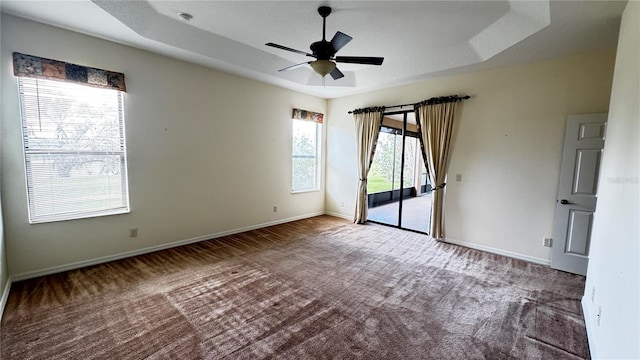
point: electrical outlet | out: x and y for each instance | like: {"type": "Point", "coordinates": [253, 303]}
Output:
{"type": "Point", "coordinates": [599, 314]}
{"type": "Point", "coordinates": [458, 177]}
{"type": "Point", "coordinates": [593, 294]}
{"type": "Point", "coordinates": [275, 208]}
{"type": "Point", "coordinates": [342, 204]}
{"type": "Point", "coordinates": [548, 242]}
{"type": "Point", "coordinates": [133, 232]}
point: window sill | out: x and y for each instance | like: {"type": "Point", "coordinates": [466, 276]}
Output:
{"type": "Point", "coordinates": [79, 217]}
{"type": "Point", "coordinates": [304, 191]}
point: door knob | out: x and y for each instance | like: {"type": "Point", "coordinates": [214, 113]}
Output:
{"type": "Point", "coordinates": [564, 202]}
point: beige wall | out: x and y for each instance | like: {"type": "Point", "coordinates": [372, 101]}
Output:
{"type": "Point", "coordinates": [208, 152]}
{"type": "Point", "coordinates": [613, 277]}
{"type": "Point", "coordinates": [507, 147]}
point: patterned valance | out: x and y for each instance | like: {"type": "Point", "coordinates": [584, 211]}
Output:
{"type": "Point", "coordinates": [307, 115]}
{"type": "Point", "coordinates": [38, 67]}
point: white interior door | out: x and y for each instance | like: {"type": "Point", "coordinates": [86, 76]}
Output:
{"type": "Point", "coordinates": [576, 202]}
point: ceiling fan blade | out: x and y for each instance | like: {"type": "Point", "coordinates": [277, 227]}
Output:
{"type": "Point", "coordinates": [339, 40]}
{"type": "Point", "coordinates": [366, 60]}
{"type": "Point", "coordinates": [336, 74]}
{"type": "Point", "coordinates": [288, 49]}
{"type": "Point", "coordinates": [295, 66]}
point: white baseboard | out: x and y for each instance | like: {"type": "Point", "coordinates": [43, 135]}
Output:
{"type": "Point", "coordinates": [473, 245]}
{"type": "Point", "coordinates": [338, 215]}
{"type": "Point", "coordinates": [123, 255]}
{"type": "Point", "coordinates": [5, 296]}
{"type": "Point", "coordinates": [589, 325]}
{"type": "Point", "coordinates": [500, 252]}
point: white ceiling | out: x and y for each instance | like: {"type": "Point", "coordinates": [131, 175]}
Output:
{"type": "Point", "coordinates": [418, 39]}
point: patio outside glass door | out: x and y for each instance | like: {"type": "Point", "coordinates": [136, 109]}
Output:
{"type": "Point", "coordinates": [398, 191]}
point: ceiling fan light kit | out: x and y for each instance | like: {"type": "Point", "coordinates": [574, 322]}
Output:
{"type": "Point", "coordinates": [324, 52]}
{"type": "Point", "coordinates": [323, 67]}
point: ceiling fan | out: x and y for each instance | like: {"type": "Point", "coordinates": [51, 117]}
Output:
{"type": "Point", "coordinates": [324, 52]}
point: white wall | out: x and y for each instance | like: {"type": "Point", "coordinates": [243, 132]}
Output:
{"type": "Point", "coordinates": [615, 251]}
{"type": "Point", "coordinates": [508, 146]}
{"type": "Point", "coordinates": [208, 152]}
{"type": "Point", "coordinates": [4, 276]}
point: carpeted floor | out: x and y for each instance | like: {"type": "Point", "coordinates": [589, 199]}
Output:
{"type": "Point", "coordinates": [320, 288]}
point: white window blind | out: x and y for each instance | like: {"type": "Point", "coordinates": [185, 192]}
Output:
{"type": "Point", "coordinates": [305, 156]}
{"type": "Point", "coordinates": [74, 150]}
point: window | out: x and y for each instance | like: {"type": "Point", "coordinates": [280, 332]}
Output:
{"type": "Point", "coordinates": [305, 156]}
{"type": "Point", "coordinates": [74, 150]}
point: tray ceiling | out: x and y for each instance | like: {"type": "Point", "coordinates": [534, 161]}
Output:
{"type": "Point", "coordinates": [418, 39]}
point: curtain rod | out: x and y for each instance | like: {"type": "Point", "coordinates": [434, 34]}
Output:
{"type": "Point", "coordinates": [433, 100]}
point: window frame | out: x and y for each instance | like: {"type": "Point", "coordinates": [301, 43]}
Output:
{"type": "Point", "coordinates": [318, 157]}
{"type": "Point", "coordinates": [27, 152]}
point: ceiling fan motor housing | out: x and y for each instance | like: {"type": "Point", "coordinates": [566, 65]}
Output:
{"type": "Point", "coordinates": [323, 50]}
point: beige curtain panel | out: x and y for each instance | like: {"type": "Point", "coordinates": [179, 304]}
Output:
{"type": "Point", "coordinates": [367, 129]}
{"type": "Point", "coordinates": [435, 126]}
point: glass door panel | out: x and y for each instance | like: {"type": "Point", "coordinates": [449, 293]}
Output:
{"type": "Point", "coordinates": [416, 206]}
{"type": "Point", "coordinates": [384, 178]}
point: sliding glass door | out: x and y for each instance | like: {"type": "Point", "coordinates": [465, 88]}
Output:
{"type": "Point", "coordinates": [398, 191]}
